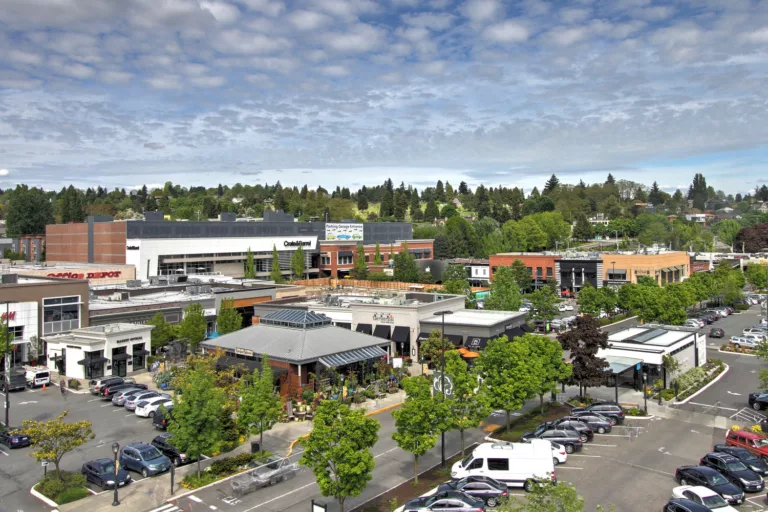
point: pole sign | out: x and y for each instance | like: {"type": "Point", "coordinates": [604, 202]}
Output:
{"type": "Point", "coordinates": [438, 378]}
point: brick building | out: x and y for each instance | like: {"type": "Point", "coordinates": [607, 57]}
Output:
{"type": "Point", "coordinates": [541, 265]}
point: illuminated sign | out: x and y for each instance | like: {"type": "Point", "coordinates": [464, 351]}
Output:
{"type": "Point", "coordinates": [89, 275]}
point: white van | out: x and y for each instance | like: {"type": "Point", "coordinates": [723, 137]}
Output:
{"type": "Point", "coordinates": [515, 464]}
{"type": "Point", "coordinates": [37, 376]}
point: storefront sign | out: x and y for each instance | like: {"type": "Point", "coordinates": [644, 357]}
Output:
{"type": "Point", "coordinates": [334, 231]}
{"type": "Point", "coordinates": [135, 338]}
{"type": "Point", "coordinates": [700, 266]}
{"type": "Point", "coordinates": [385, 318]}
{"type": "Point", "coordinates": [89, 275]}
{"type": "Point", "coordinates": [297, 243]}
{"type": "Point", "coordinates": [10, 315]}
{"type": "Point", "coordinates": [133, 248]}
{"type": "Point", "coordinates": [244, 352]}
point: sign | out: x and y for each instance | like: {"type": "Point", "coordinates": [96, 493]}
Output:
{"type": "Point", "coordinates": [343, 232]}
{"type": "Point", "coordinates": [297, 243]}
{"type": "Point", "coordinates": [437, 384]}
{"type": "Point", "coordinates": [700, 266]}
{"type": "Point", "coordinates": [44, 463]}
{"type": "Point", "coordinates": [10, 315]}
{"type": "Point", "coordinates": [244, 352]}
{"type": "Point", "coordinates": [89, 275]}
{"type": "Point", "coordinates": [132, 248]}
{"type": "Point", "coordinates": [135, 338]}
{"type": "Point", "coordinates": [384, 318]}
{"type": "Point", "coordinates": [638, 366]}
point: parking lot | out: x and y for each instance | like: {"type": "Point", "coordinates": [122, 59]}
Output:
{"type": "Point", "coordinates": [109, 424]}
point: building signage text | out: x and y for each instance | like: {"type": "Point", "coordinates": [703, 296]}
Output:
{"type": "Point", "coordinates": [244, 352]}
{"type": "Point", "coordinates": [385, 318]}
{"type": "Point", "coordinates": [11, 315]}
{"type": "Point", "coordinates": [89, 275]}
{"type": "Point", "coordinates": [297, 243]}
{"type": "Point", "coordinates": [334, 231]}
{"type": "Point", "coordinates": [135, 338]}
{"type": "Point", "coordinates": [133, 248]}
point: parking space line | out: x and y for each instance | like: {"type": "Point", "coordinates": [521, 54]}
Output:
{"type": "Point", "coordinates": [567, 467]}
{"type": "Point", "coordinates": [758, 505]}
{"type": "Point", "coordinates": [640, 467]}
{"type": "Point", "coordinates": [1, 451]}
{"type": "Point", "coordinates": [106, 405]}
{"type": "Point", "coordinates": [132, 414]}
{"type": "Point", "coordinates": [119, 410]}
{"type": "Point", "coordinates": [607, 445]}
{"type": "Point", "coordinates": [714, 406]}
{"type": "Point", "coordinates": [611, 435]}
{"type": "Point", "coordinates": [582, 455]}
{"type": "Point", "coordinates": [95, 399]}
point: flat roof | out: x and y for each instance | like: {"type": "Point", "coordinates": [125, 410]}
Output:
{"type": "Point", "coordinates": [54, 266]}
{"type": "Point", "coordinates": [619, 364]}
{"type": "Point", "coordinates": [649, 336]}
{"type": "Point", "coordinates": [474, 317]}
{"type": "Point", "coordinates": [362, 297]}
{"type": "Point", "coordinates": [111, 328]}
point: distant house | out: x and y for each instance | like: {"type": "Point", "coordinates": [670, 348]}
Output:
{"type": "Point", "coordinates": [456, 202]}
{"type": "Point", "coordinates": [671, 218]}
{"type": "Point", "coordinates": [599, 220]}
{"type": "Point", "coordinates": [237, 200]}
{"type": "Point", "coordinates": [761, 207]}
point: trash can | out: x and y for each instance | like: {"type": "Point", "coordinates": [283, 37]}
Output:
{"type": "Point", "coordinates": [255, 448]}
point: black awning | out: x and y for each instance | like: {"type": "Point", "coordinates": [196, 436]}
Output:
{"type": "Point", "coordinates": [422, 336]}
{"type": "Point", "coordinates": [346, 253]}
{"type": "Point", "coordinates": [402, 334]}
{"type": "Point", "coordinates": [344, 325]}
{"type": "Point", "coordinates": [526, 328]}
{"type": "Point", "coordinates": [427, 251]}
{"type": "Point", "coordinates": [141, 352]}
{"type": "Point", "coordinates": [364, 328]}
{"type": "Point", "coordinates": [382, 331]}
{"type": "Point", "coordinates": [456, 339]}
{"type": "Point", "coordinates": [121, 357]}
{"type": "Point", "coordinates": [93, 362]}
{"type": "Point", "coordinates": [476, 343]}
{"type": "Point", "coordinates": [418, 251]}
{"type": "Point", "coordinates": [514, 332]}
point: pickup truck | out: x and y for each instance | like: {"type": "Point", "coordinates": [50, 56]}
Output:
{"type": "Point", "coordinates": [18, 381]}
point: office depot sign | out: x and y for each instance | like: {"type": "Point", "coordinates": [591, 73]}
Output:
{"type": "Point", "coordinates": [88, 275]}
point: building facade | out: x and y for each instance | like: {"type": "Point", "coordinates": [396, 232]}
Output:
{"type": "Point", "coordinates": [665, 267]}
{"type": "Point", "coordinates": [573, 273]}
{"type": "Point", "coordinates": [337, 258]}
{"type": "Point", "coordinates": [541, 265]}
{"type": "Point", "coordinates": [95, 274]}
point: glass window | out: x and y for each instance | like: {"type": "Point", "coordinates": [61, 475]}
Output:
{"type": "Point", "coordinates": [476, 464]}
{"type": "Point", "coordinates": [549, 272]}
{"type": "Point", "coordinates": [498, 464]}
{"type": "Point", "coordinates": [539, 272]}
{"type": "Point", "coordinates": [61, 314]}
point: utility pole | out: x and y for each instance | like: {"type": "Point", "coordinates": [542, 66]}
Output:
{"type": "Point", "coordinates": [442, 378]}
{"type": "Point", "coordinates": [7, 355]}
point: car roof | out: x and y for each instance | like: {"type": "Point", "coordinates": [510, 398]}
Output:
{"type": "Point", "coordinates": [690, 505]}
{"type": "Point", "coordinates": [744, 433]}
{"type": "Point", "coordinates": [704, 470]}
{"type": "Point", "coordinates": [726, 457]}
{"type": "Point", "coordinates": [138, 445]}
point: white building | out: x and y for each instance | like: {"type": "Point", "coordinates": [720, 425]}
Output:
{"type": "Point", "coordinates": [93, 352]}
{"type": "Point", "coordinates": [23, 321]}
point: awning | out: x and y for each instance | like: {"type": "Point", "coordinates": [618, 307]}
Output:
{"type": "Point", "coordinates": [514, 332]}
{"type": "Point", "coordinates": [476, 342]}
{"type": "Point", "coordinates": [468, 354]}
{"type": "Point", "coordinates": [352, 356]}
{"type": "Point", "coordinates": [422, 336]}
{"type": "Point", "coordinates": [526, 328]}
{"type": "Point", "coordinates": [93, 362]}
{"type": "Point", "coordinates": [121, 357]}
{"type": "Point", "coordinates": [344, 325]}
{"type": "Point", "coordinates": [401, 334]}
{"type": "Point", "coordinates": [427, 252]}
{"type": "Point", "coordinates": [456, 339]}
{"type": "Point", "coordinates": [617, 271]}
{"type": "Point", "coordinates": [141, 352]}
{"type": "Point", "coordinates": [364, 328]}
{"type": "Point", "coordinates": [618, 364]}
{"type": "Point", "coordinates": [418, 251]}
{"type": "Point", "coordinates": [382, 331]}
{"type": "Point", "coordinates": [346, 253]}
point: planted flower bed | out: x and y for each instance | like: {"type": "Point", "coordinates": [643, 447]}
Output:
{"type": "Point", "coordinates": [223, 468]}
{"type": "Point", "coordinates": [696, 378]}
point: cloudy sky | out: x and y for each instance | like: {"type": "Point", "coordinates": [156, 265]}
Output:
{"type": "Point", "coordinates": [347, 92]}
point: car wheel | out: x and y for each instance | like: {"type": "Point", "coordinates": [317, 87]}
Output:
{"type": "Point", "coordinates": [756, 406]}
{"type": "Point", "coordinates": [144, 472]}
{"type": "Point", "coordinates": [492, 502]}
{"type": "Point", "coordinates": [613, 421]}
{"type": "Point", "coordinates": [737, 346]}
{"type": "Point", "coordinates": [601, 430]}
{"type": "Point", "coordinates": [272, 481]}
{"type": "Point", "coordinates": [177, 462]}
{"type": "Point", "coordinates": [584, 438]}
{"type": "Point", "coordinates": [683, 481]}
{"type": "Point", "coordinates": [528, 486]}
{"type": "Point", "coordinates": [569, 449]}
{"type": "Point", "coordinates": [151, 414]}
{"type": "Point", "coordinates": [555, 461]}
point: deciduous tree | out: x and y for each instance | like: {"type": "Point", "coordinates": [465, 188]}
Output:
{"type": "Point", "coordinates": [261, 405]}
{"type": "Point", "coordinates": [229, 319]}
{"type": "Point", "coordinates": [163, 332]}
{"type": "Point", "coordinates": [193, 326]}
{"type": "Point", "coordinates": [504, 295]}
{"type": "Point", "coordinates": [360, 270]}
{"type": "Point", "coordinates": [544, 302]}
{"type": "Point", "coordinates": [548, 354]}
{"type": "Point", "coordinates": [583, 342]}
{"type": "Point", "coordinates": [28, 211]}
{"type": "Point", "coordinates": [757, 275]}
{"type": "Point", "coordinates": [521, 274]}
{"type": "Point", "coordinates": [406, 270]}
{"type": "Point", "coordinates": [590, 300]}
{"type": "Point", "coordinates": [469, 404]}
{"type": "Point", "coordinates": [455, 279]}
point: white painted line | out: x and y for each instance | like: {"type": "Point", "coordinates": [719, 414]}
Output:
{"type": "Point", "coordinates": [204, 457]}
{"type": "Point", "coordinates": [758, 505]}
{"type": "Point", "coordinates": [194, 498]}
{"type": "Point", "coordinates": [581, 455]}
{"type": "Point", "coordinates": [607, 445]}
{"type": "Point", "coordinates": [118, 410]}
{"type": "Point", "coordinates": [611, 435]}
{"type": "Point", "coordinates": [1, 451]}
{"type": "Point", "coordinates": [95, 399]}
{"type": "Point", "coordinates": [714, 406]}
{"type": "Point", "coordinates": [107, 405]}
{"type": "Point", "coordinates": [640, 467]}
{"type": "Point", "coordinates": [567, 467]}
{"type": "Point", "coordinates": [132, 414]}
{"type": "Point", "coordinates": [166, 508]}
{"type": "Point", "coordinates": [280, 497]}
{"type": "Point", "coordinates": [386, 452]}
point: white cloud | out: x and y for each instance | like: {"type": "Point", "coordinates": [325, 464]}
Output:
{"type": "Point", "coordinates": [268, 7]}
{"type": "Point", "coordinates": [509, 31]}
{"type": "Point", "coordinates": [347, 9]}
{"type": "Point", "coordinates": [208, 81]}
{"type": "Point", "coordinates": [566, 36]}
{"type": "Point", "coordinates": [481, 10]}
{"type": "Point", "coordinates": [238, 41]}
{"type": "Point", "coordinates": [759, 36]}
{"type": "Point", "coordinates": [115, 77]}
{"type": "Point", "coordinates": [24, 57]}
{"type": "Point", "coordinates": [334, 70]}
{"type": "Point", "coordinates": [308, 20]}
{"type": "Point", "coordinates": [359, 39]}
{"type": "Point", "coordinates": [4, 172]}
{"type": "Point", "coordinates": [223, 12]}
{"type": "Point", "coordinates": [154, 145]}
{"type": "Point", "coordinates": [574, 15]}
{"type": "Point", "coordinates": [431, 20]}
{"type": "Point", "coordinates": [164, 82]}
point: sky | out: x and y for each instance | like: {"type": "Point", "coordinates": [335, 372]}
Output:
{"type": "Point", "coordinates": [349, 92]}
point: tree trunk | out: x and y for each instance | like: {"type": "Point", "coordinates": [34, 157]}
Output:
{"type": "Point", "coordinates": [58, 474]}
{"type": "Point", "coordinates": [198, 467]}
{"type": "Point", "coordinates": [416, 470]}
{"type": "Point", "coordinates": [541, 402]}
{"type": "Point", "coordinates": [341, 504]}
{"type": "Point", "coordinates": [261, 435]}
{"type": "Point", "coordinates": [461, 433]}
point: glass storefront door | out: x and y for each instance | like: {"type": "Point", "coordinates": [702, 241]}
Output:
{"type": "Point", "coordinates": [119, 362]}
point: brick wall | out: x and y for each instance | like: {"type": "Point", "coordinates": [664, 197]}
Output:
{"type": "Point", "coordinates": [109, 239]}
{"type": "Point", "coordinates": [67, 242]}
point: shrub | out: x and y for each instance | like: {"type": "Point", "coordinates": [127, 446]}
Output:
{"type": "Point", "coordinates": [229, 465]}
{"type": "Point", "coordinates": [735, 428]}
{"type": "Point", "coordinates": [369, 393]}
{"type": "Point", "coordinates": [741, 307]}
{"type": "Point", "coordinates": [634, 411]}
{"type": "Point", "coordinates": [668, 394]}
{"type": "Point", "coordinates": [360, 398]}
{"type": "Point", "coordinates": [52, 487]}
{"type": "Point", "coordinates": [757, 429]}
{"type": "Point", "coordinates": [72, 494]}
{"type": "Point", "coordinates": [192, 482]}
{"type": "Point", "coordinates": [73, 384]}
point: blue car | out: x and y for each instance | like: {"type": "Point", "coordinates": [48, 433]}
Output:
{"type": "Point", "coordinates": [144, 458]}
{"type": "Point", "coordinates": [14, 440]}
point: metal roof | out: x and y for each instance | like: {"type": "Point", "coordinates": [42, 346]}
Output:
{"type": "Point", "coordinates": [295, 318]}
{"type": "Point", "coordinates": [352, 356]}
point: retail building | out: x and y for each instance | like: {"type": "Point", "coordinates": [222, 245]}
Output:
{"type": "Point", "coordinates": [664, 267]}
{"type": "Point", "coordinates": [96, 274]}
{"type": "Point", "coordinates": [541, 265]}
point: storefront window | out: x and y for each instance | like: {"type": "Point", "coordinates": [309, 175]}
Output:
{"type": "Point", "coordinates": [61, 314]}
{"type": "Point", "coordinates": [94, 370]}
{"type": "Point", "coordinates": [139, 359]}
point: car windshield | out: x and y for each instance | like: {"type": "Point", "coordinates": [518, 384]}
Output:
{"type": "Point", "coordinates": [761, 442]}
{"type": "Point", "coordinates": [714, 501]}
{"type": "Point", "coordinates": [717, 480]}
{"type": "Point", "coordinates": [107, 468]}
{"type": "Point", "coordinates": [747, 456]}
{"type": "Point", "coordinates": [466, 461]}
{"type": "Point", "coordinates": [736, 466]}
{"type": "Point", "coordinates": [150, 453]}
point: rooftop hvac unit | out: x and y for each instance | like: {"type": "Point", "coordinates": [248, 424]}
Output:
{"type": "Point", "coordinates": [154, 281]}
{"type": "Point", "coordinates": [206, 288]}
{"type": "Point", "coordinates": [133, 283]}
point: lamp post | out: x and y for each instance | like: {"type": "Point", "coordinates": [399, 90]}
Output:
{"type": "Point", "coordinates": [7, 355]}
{"type": "Point", "coordinates": [645, 395]}
{"type": "Point", "coordinates": [115, 449]}
{"type": "Point", "coordinates": [442, 377]}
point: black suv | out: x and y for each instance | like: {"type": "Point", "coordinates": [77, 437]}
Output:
{"type": "Point", "coordinates": [711, 479]}
{"type": "Point", "coordinates": [570, 439]}
{"type": "Point", "coordinates": [597, 422]}
{"type": "Point", "coordinates": [161, 418]}
{"type": "Point", "coordinates": [753, 462]}
{"type": "Point", "coordinates": [734, 470]}
{"type": "Point", "coordinates": [610, 410]}
{"type": "Point", "coordinates": [584, 430]}
{"type": "Point", "coordinates": [161, 443]}
{"type": "Point", "coordinates": [491, 491]}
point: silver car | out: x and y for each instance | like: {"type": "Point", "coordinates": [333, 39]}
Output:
{"type": "Point", "coordinates": [131, 401]}
{"type": "Point", "coordinates": [119, 398]}
{"type": "Point", "coordinates": [274, 470]}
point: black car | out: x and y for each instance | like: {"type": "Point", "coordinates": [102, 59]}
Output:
{"type": "Point", "coordinates": [14, 440]}
{"type": "Point", "coordinates": [482, 487]}
{"type": "Point", "coordinates": [758, 400]}
{"type": "Point", "coordinates": [107, 392]}
{"type": "Point", "coordinates": [162, 417]}
{"type": "Point", "coordinates": [102, 473]}
{"type": "Point", "coordinates": [753, 462]}
{"type": "Point", "coordinates": [610, 410]}
{"type": "Point", "coordinates": [570, 439]}
{"type": "Point", "coordinates": [734, 470]}
{"type": "Point", "coordinates": [597, 422]}
{"type": "Point", "coordinates": [579, 426]}
{"type": "Point", "coordinates": [161, 443]}
{"type": "Point", "coordinates": [684, 505]}
{"type": "Point", "coordinates": [450, 500]}
{"type": "Point", "coordinates": [716, 332]}
{"type": "Point", "coordinates": [711, 479]}
{"type": "Point", "coordinates": [707, 319]}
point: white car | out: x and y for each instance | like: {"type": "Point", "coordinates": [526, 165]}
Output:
{"type": "Point", "coordinates": [753, 330]}
{"type": "Point", "coordinates": [744, 341]}
{"type": "Point", "coordinates": [558, 454]}
{"type": "Point", "coordinates": [148, 408]}
{"type": "Point", "coordinates": [702, 496]}
{"type": "Point", "coordinates": [524, 308]}
{"type": "Point", "coordinates": [693, 322]}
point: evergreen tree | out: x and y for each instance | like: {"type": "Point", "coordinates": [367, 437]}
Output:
{"type": "Point", "coordinates": [401, 205]}
{"type": "Point", "coordinates": [298, 262]}
{"type": "Point", "coordinates": [551, 185]}
{"type": "Point", "coordinates": [582, 230]}
{"type": "Point", "coordinates": [440, 192]}
{"type": "Point", "coordinates": [250, 269]}
{"type": "Point", "coordinates": [360, 270]}
{"type": "Point", "coordinates": [362, 201]}
{"type": "Point", "coordinates": [279, 197]}
{"type": "Point", "coordinates": [66, 208]}
{"type": "Point", "coordinates": [609, 180]}
{"type": "Point", "coordinates": [431, 212]}
{"type": "Point", "coordinates": [698, 192]}
{"type": "Point", "coordinates": [655, 196]}
{"type": "Point", "coordinates": [377, 260]}
{"type": "Point", "coordinates": [275, 274]}
{"type": "Point", "coordinates": [387, 207]}
{"type": "Point", "coordinates": [229, 319]}
{"type": "Point", "coordinates": [738, 198]}
{"type": "Point", "coordinates": [415, 204]}
{"type": "Point", "coordinates": [463, 188]}
{"type": "Point", "coordinates": [449, 193]}
{"type": "Point", "coordinates": [483, 207]}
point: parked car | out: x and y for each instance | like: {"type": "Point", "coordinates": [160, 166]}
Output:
{"type": "Point", "coordinates": [752, 461]}
{"type": "Point", "coordinates": [707, 319]}
{"type": "Point", "coordinates": [95, 385]}
{"type": "Point", "coordinates": [744, 341]}
{"type": "Point", "coordinates": [734, 470]}
{"type": "Point", "coordinates": [685, 505]}
{"type": "Point", "coordinates": [695, 323]}
{"type": "Point", "coordinates": [18, 381]}
{"type": "Point", "coordinates": [37, 376]}
{"type": "Point", "coordinates": [148, 408]}
{"type": "Point", "coordinates": [584, 430]}
{"type": "Point", "coordinates": [517, 464]}
{"type": "Point", "coordinates": [450, 500]}
{"type": "Point", "coordinates": [161, 443]}
{"type": "Point", "coordinates": [131, 401]}
{"type": "Point", "coordinates": [107, 392]}
{"type": "Point", "coordinates": [120, 397]}
{"type": "Point", "coordinates": [559, 455]}
{"type": "Point", "coordinates": [702, 496]}
{"type": "Point", "coordinates": [481, 487]}
{"type": "Point", "coordinates": [758, 400]}
{"type": "Point", "coordinates": [596, 422]}
{"type": "Point", "coordinates": [161, 419]}
{"type": "Point", "coordinates": [610, 410]}
{"type": "Point", "coordinates": [754, 443]}
{"type": "Point", "coordinates": [716, 315]}
{"type": "Point", "coordinates": [711, 479]}
{"type": "Point", "coordinates": [13, 439]}
{"type": "Point", "coordinates": [144, 458]}
{"type": "Point", "coordinates": [102, 473]}
{"type": "Point", "coordinates": [570, 439]}
{"type": "Point", "coordinates": [272, 471]}
{"type": "Point", "coordinates": [716, 332]}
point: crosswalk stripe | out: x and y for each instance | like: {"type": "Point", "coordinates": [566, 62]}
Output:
{"type": "Point", "coordinates": [170, 507]}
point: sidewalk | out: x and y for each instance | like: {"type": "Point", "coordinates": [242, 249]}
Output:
{"type": "Point", "coordinates": [153, 492]}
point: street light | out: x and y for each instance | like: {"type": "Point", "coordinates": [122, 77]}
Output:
{"type": "Point", "coordinates": [442, 378]}
{"type": "Point", "coordinates": [115, 449]}
{"type": "Point", "coordinates": [645, 394]}
{"type": "Point", "coordinates": [7, 356]}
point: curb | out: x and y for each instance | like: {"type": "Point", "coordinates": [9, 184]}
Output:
{"type": "Point", "coordinates": [647, 417]}
{"type": "Point", "coordinates": [735, 353]}
{"type": "Point", "coordinates": [705, 387]}
{"type": "Point", "coordinates": [42, 498]}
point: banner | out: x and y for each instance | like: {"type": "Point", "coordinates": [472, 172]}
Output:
{"type": "Point", "coordinates": [343, 232]}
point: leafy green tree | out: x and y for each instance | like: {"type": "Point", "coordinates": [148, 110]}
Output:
{"type": "Point", "coordinates": [469, 405]}
{"type": "Point", "coordinates": [338, 450]}
{"type": "Point", "coordinates": [757, 275]}
{"type": "Point", "coordinates": [462, 238]}
{"type": "Point", "coordinates": [362, 201]}
{"type": "Point", "coordinates": [406, 270]}
{"type": "Point", "coordinates": [275, 274]}
{"type": "Point", "coordinates": [163, 333]}
{"type": "Point", "coordinates": [548, 355]}
{"type": "Point", "coordinates": [431, 212]}
{"type": "Point", "coordinates": [509, 374]}
{"type": "Point", "coordinates": [504, 295]}
{"type": "Point", "coordinates": [250, 268]}
{"type": "Point", "coordinates": [431, 348]}
{"type": "Point", "coordinates": [298, 262]}
{"type": "Point", "coordinates": [547, 498]}
{"type": "Point", "coordinates": [261, 405]}
{"type": "Point", "coordinates": [727, 231]}
{"type": "Point", "coordinates": [544, 302]}
{"type": "Point", "coordinates": [360, 270]}
{"type": "Point", "coordinates": [193, 326]}
{"type": "Point", "coordinates": [28, 211]}
{"type": "Point", "coordinates": [455, 279]}
{"type": "Point", "coordinates": [608, 299]}
{"type": "Point", "coordinates": [582, 229]}
{"type": "Point", "coordinates": [53, 439]}
{"type": "Point", "coordinates": [521, 274]}
{"type": "Point", "coordinates": [419, 421]}
{"type": "Point", "coordinates": [590, 300]}
{"type": "Point", "coordinates": [229, 319]}
{"type": "Point", "coordinates": [377, 260]}
{"type": "Point", "coordinates": [196, 426]}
